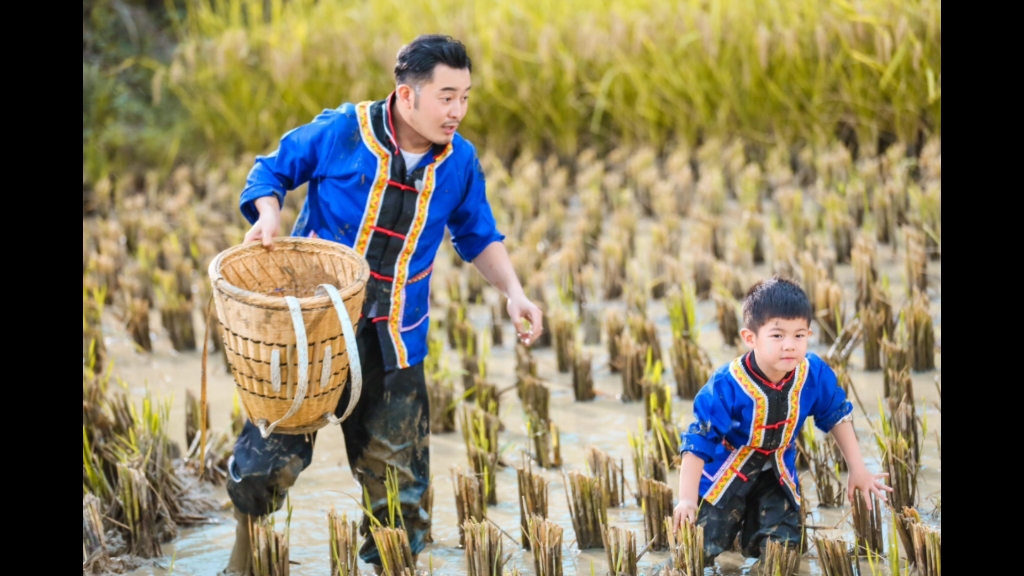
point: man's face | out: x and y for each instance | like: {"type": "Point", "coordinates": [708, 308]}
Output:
{"type": "Point", "coordinates": [780, 344]}
{"type": "Point", "coordinates": [435, 113]}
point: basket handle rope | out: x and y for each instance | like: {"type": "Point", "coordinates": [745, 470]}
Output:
{"type": "Point", "coordinates": [302, 347]}
{"type": "Point", "coordinates": [355, 368]}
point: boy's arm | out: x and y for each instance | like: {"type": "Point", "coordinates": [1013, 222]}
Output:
{"type": "Point", "coordinates": [699, 442]}
{"type": "Point", "coordinates": [689, 489]}
{"type": "Point", "coordinates": [832, 414]}
{"type": "Point", "coordinates": [860, 477]}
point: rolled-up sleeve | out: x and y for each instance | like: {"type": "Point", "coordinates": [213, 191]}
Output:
{"type": "Point", "coordinates": [831, 404]}
{"type": "Point", "coordinates": [293, 164]}
{"type": "Point", "coordinates": [472, 223]}
{"type": "Point", "coordinates": [713, 421]}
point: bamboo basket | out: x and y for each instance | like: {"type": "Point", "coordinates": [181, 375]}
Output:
{"type": "Point", "coordinates": [286, 320]}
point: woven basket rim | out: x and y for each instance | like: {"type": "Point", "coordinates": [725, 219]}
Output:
{"type": "Point", "coordinates": [278, 302]}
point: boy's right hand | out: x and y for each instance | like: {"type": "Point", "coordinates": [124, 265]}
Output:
{"type": "Point", "coordinates": [686, 510]}
{"type": "Point", "coordinates": [269, 222]}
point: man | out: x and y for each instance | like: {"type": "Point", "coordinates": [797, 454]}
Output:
{"type": "Point", "coordinates": [385, 178]}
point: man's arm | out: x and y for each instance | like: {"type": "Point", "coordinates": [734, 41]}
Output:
{"type": "Point", "coordinates": [496, 267]}
{"type": "Point", "coordinates": [293, 164]}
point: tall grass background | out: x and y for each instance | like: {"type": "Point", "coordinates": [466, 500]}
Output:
{"type": "Point", "coordinates": [557, 76]}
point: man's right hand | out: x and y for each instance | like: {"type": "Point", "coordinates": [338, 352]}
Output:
{"type": "Point", "coordinates": [269, 222]}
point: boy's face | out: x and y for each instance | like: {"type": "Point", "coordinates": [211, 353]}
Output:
{"type": "Point", "coordinates": [441, 104]}
{"type": "Point", "coordinates": [779, 345]}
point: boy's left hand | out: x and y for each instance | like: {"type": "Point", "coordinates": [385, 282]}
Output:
{"type": "Point", "coordinates": [861, 478]}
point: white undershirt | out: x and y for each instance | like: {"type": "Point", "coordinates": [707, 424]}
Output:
{"type": "Point", "coordinates": [412, 160]}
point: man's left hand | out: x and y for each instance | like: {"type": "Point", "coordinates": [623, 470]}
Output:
{"type": "Point", "coordinates": [520, 308]}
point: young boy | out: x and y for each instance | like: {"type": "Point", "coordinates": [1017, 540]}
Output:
{"type": "Point", "coordinates": [740, 454]}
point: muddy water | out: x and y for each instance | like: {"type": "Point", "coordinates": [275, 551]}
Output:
{"type": "Point", "coordinates": [603, 422]}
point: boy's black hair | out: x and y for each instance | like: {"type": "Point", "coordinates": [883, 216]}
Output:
{"type": "Point", "coordinates": [416, 60]}
{"type": "Point", "coordinates": [775, 297]}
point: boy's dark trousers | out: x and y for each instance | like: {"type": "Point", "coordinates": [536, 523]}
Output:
{"type": "Point", "coordinates": [389, 427]}
{"type": "Point", "coordinates": [757, 513]}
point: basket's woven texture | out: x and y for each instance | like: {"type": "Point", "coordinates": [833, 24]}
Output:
{"type": "Point", "coordinates": [249, 285]}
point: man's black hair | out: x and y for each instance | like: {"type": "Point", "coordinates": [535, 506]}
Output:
{"type": "Point", "coordinates": [416, 60]}
{"type": "Point", "coordinates": [773, 298]}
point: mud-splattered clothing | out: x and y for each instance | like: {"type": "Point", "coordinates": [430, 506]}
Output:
{"type": "Point", "coordinates": [764, 513]}
{"type": "Point", "coordinates": [362, 195]}
{"type": "Point", "coordinates": [390, 426]}
{"type": "Point", "coordinates": [745, 424]}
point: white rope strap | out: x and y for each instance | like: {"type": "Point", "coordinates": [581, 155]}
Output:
{"type": "Point", "coordinates": [302, 347]}
{"type": "Point", "coordinates": [355, 369]}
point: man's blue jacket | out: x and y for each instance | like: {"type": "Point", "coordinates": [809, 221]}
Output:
{"type": "Point", "coordinates": [362, 195]}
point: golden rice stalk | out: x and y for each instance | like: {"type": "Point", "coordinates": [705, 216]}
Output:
{"type": "Point", "coordinates": [729, 279]}
{"type": "Point", "coordinates": [646, 463]}
{"type": "Point", "coordinates": [533, 499]}
{"type": "Point", "coordinates": [903, 416]}
{"type": "Point", "coordinates": [526, 366]}
{"type": "Point", "coordinates": [601, 466]}
{"type": "Point", "coordinates": [927, 550]}
{"type": "Point", "coordinates": [564, 326]}
{"type": "Point", "coordinates": [94, 541]}
{"type": "Point", "coordinates": [582, 377]}
{"type": "Point", "coordinates": [137, 311]}
{"type": "Point", "coordinates": [546, 544]}
{"type": "Point", "coordinates": [620, 546]}
{"type": "Point", "coordinates": [344, 540]}
{"type": "Point", "coordinates": [898, 461]}
{"type": "Point", "coordinates": [915, 260]}
{"type": "Point", "coordinates": [536, 398]}
{"type": "Point", "coordinates": [780, 560]}
{"type": "Point", "coordinates": [469, 501]}
{"type": "Point", "coordinates": [873, 321]}
{"type": "Point", "coordinates": [920, 333]}
{"type": "Point", "coordinates": [686, 546]}
{"type": "Point", "coordinates": [703, 273]}
{"type": "Point", "coordinates": [395, 554]}
{"type": "Point", "coordinates": [826, 472]}
{"type": "Point", "coordinates": [894, 361]}
{"type": "Point", "coordinates": [646, 333]}
{"type": "Point", "coordinates": [632, 356]}
{"type": "Point", "coordinates": [591, 325]}
{"type": "Point", "coordinates": [884, 213]}
{"type": "Point", "coordinates": [270, 549]}
{"type": "Point", "coordinates": [867, 525]}
{"type": "Point", "coordinates": [728, 321]}
{"type": "Point", "coordinates": [441, 395]}
{"type": "Point", "coordinates": [545, 438]}
{"type": "Point", "coordinates": [835, 557]}
{"type": "Point", "coordinates": [865, 272]}
{"type": "Point", "coordinates": [483, 549]}
{"type": "Point", "coordinates": [588, 507]}
{"type": "Point", "coordinates": [193, 416]}
{"type": "Point", "coordinates": [140, 511]}
{"type": "Point", "coordinates": [656, 503]}
{"type": "Point", "coordinates": [613, 266]}
{"type": "Point", "coordinates": [480, 433]}
{"type": "Point", "coordinates": [829, 309]}
{"type": "Point", "coordinates": [615, 324]}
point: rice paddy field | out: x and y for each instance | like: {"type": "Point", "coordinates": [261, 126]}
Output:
{"type": "Point", "coordinates": [644, 180]}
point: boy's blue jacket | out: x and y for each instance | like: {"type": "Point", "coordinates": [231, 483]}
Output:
{"type": "Point", "coordinates": [744, 423]}
{"type": "Point", "coordinates": [362, 195]}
